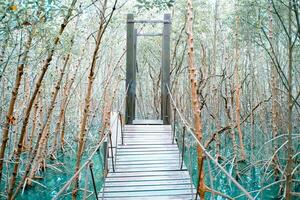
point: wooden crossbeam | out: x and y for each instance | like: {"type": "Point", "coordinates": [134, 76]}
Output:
{"type": "Point", "coordinates": [149, 21]}
{"type": "Point", "coordinates": [149, 34]}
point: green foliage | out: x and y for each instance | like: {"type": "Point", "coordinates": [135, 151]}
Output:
{"type": "Point", "coordinates": [155, 4]}
{"type": "Point", "coordinates": [24, 14]}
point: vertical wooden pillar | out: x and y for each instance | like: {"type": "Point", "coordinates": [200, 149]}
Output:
{"type": "Point", "coordinates": [165, 99]}
{"type": "Point", "coordinates": [130, 71]}
{"type": "Point", "coordinates": [134, 71]}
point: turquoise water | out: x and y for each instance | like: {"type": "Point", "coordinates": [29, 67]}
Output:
{"type": "Point", "coordinates": [54, 180]}
{"type": "Point", "coordinates": [250, 177]}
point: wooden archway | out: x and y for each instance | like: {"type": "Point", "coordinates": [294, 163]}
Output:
{"type": "Point", "coordinates": [131, 66]}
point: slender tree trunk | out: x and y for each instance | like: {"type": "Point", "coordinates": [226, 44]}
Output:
{"type": "Point", "coordinates": [34, 121]}
{"type": "Point", "coordinates": [232, 133]}
{"type": "Point", "coordinates": [60, 119]}
{"type": "Point", "coordinates": [39, 154]}
{"type": "Point", "coordinates": [86, 112]}
{"type": "Point", "coordinates": [252, 125]}
{"type": "Point", "coordinates": [31, 102]}
{"type": "Point", "coordinates": [2, 100]}
{"type": "Point", "coordinates": [106, 112]}
{"type": "Point", "coordinates": [195, 102]}
{"type": "Point", "coordinates": [64, 108]}
{"type": "Point", "coordinates": [215, 90]}
{"type": "Point", "coordinates": [44, 141]}
{"type": "Point", "coordinates": [41, 157]}
{"type": "Point", "coordinates": [10, 113]}
{"type": "Point", "coordinates": [60, 125]}
{"type": "Point", "coordinates": [67, 87]}
{"type": "Point", "coordinates": [237, 90]}
{"type": "Point", "coordinates": [274, 90]}
{"type": "Point", "coordinates": [42, 136]}
{"type": "Point", "coordinates": [63, 129]}
{"type": "Point", "coordinates": [289, 166]}
{"type": "Point", "coordinates": [26, 99]}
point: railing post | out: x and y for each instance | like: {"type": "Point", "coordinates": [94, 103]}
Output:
{"type": "Point", "coordinates": [122, 134]}
{"type": "Point", "coordinates": [183, 147]}
{"type": "Point", "coordinates": [86, 181]}
{"type": "Point", "coordinates": [105, 153]}
{"type": "Point", "coordinates": [111, 151]}
{"type": "Point", "coordinates": [191, 171]}
{"type": "Point", "coordinates": [117, 135]}
{"type": "Point", "coordinates": [130, 70]}
{"type": "Point", "coordinates": [165, 81]}
{"type": "Point", "coordinates": [174, 125]}
{"type": "Point", "coordinates": [93, 179]}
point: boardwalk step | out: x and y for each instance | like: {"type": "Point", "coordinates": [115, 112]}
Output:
{"type": "Point", "coordinates": [145, 182]}
{"type": "Point", "coordinates": [148, 121]}
{"type": "Point", "coordinates": [145, 179]}
{"type": "Point", "coordinates": [141, 146]}
{"type": "Point", "coordinates": [150, 197]}
{"type": "Point", "coordinates": [149, 149]}
{"type": "Point", "coordinates": [147, 194]}
{"type": "Point", "coordinates": [145, 153]}
{"type": "Point", "coordinates": [147, 162]}
{"type": "Point", "coordinates": [176, 173]}
{"type": "Point", "coordinates": [144, 188]}
{"type": "Point", "coordinates": [154, 169]}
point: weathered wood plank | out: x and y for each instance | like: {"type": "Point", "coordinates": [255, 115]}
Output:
{"type": "Point", "coordinates": [150, 197]}
{"type": "Point", "coordinates": [148, 121]}
{"type": "Point", "coordinates": [138, 126]}
{"type": "Point", "coordinates": [145, 179]}
{"type": "Point", "coordinates": [140, 146]}
{"type": "Point", "coordinates": [148, 152]}
{"type": "Point", "coordinates": [144, 182]}
{"type": "Point", "coordinates": [136, 188]}
{"type": "Point", "coordinates": [151, 149]}
{"type": "Point", "coordinates": [175, 161]}
{"type": "Point", "coordinates": [166, 192]}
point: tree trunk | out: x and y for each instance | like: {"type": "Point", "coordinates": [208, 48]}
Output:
{"type": "Point", "coordinates": [216, 97]}
{"type": "Point", "coordinates": [26, 100]}
{"type": "Point", "coordinates": [274, 91]}
{"type": "Point", "coordinates": [289, 166]}
{"type": "Point", "coordinates": [60, 125]}
{"type": "Point", "coordinates": [195, 102]}
{"type": "Point", "coordinates": [237, 90]}
{"type": "Point", "coordinates": [63, 110]}
{"type": "Point", "coordinates": [34, 121]}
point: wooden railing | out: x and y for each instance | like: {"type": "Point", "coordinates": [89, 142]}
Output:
{"type": "Point", "coordinates": [107, 138]}
{"type": "Point", "coordinates": [187, 128]}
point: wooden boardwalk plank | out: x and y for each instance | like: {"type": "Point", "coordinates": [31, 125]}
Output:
{"type": "Point", "coordinates": [145, 179]}
{"type": "Point", "coordinates": [144, 182]}
{"type": "Point", "coordinates": [146, 193]}
{"type": "Point", "coordinates": [151, 197]}
{"type": "Point", "coordinates": [148, 121]}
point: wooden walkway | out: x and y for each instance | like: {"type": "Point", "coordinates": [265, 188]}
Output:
{"type": "Point", "coordinates": [148, 166]}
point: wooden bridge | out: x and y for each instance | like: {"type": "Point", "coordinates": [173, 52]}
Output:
{"type": "Point", "coordinates": [148, 165]}
{"type": "Point", "coordinates": [145, 162]}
